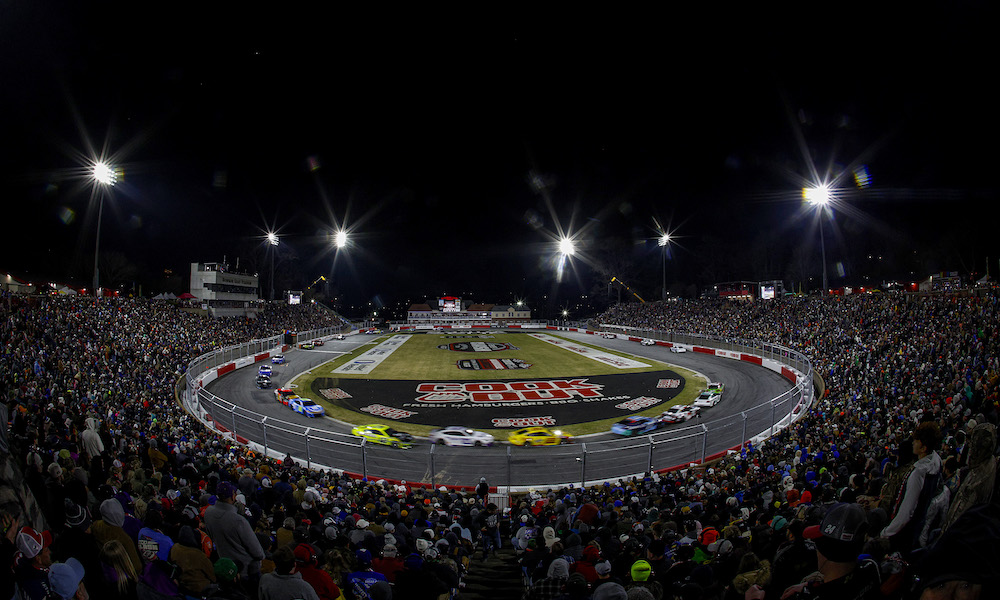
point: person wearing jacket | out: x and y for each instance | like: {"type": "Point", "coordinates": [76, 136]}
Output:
{"type": "Point", "coordinates": [285, 583]}
{"type": "Point", "coordinates": [232, 534]}
{"type": "Point", "coordinates": [916, 493]}
{"type": "Point", "coordinates": [196, 570]}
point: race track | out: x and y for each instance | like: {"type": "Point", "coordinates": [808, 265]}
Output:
{"type": "Point", "coordinates": [595, 457]}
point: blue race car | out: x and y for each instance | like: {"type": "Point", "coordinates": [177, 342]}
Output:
{"type": "Point", "coordinates": [264, 370]}
{"type": "Point", "coordinates": [635, 425]}
{"type": "Point", "coordinates": [307, 407]}
{"type": "Point", "coordinates": [278, 359]}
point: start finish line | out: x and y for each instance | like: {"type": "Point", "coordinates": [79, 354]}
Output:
{"type": "Point", "coordinates": [618, 362]}
{"type": "Point", "coordinates": [366, 362]}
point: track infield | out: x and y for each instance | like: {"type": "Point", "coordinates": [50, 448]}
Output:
{"type": "Point", "coordinates": [493, 380]}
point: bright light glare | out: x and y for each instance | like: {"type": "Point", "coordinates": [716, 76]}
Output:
{"type": "Point", "coordinates": [272, 239]}
{"type": "Point", "coordinates": [566, 247]}
{"type": "Point", "coordinates": [819, 195]}
{"type": "Point", "coordinates": [664, 239]}
{"type": "Point", "coordinates": [104, 174]}
{"type": "Point", "coordinates": [340, 239]}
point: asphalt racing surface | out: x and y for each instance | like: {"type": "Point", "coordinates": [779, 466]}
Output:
{"type": "Point", "coordinates": [593, 457]}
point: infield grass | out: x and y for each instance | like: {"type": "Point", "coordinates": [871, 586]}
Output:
{"type": "Point", "coordinates": [421, 359]}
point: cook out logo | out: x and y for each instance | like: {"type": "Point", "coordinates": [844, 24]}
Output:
{"type": "Point", "coordinates": [477, 347]}
{"type": "Point", "coordinates": [511, 391]}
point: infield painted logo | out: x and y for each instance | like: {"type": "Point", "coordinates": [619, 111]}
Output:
{"type": "Point", "coordinates": [477, 347]}
{"type": "Point", "coordinates": [492, 364]}
{"type": "Point", "coordinates": [510, 391]}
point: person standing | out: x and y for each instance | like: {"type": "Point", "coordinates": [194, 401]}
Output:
{"type": "Point", "coordinates": [920, 487]}
{"type": "Point", "coordinates": [489, 528]}
{"type": "Point", "coordinates": [232, 534]}
{"type": "Point", "coordinates": [285, 583]}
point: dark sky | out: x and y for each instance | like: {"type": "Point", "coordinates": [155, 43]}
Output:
{"type": "Point", "coordinates": [426, 134]}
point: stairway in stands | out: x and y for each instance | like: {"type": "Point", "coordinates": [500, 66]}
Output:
{"type": "Point", "coordinates": [499, 578]}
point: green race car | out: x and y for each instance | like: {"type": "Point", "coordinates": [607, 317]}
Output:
{"type": "Point", "coordinates": [383, 434]}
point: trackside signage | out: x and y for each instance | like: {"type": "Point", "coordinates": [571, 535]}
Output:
{"type": "Point", "coordinates": [618, 362]}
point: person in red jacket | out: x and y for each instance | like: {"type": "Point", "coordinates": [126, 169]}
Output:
{"type": "Point", "coordinates": [307, 564]}
{"type": "Point", "coordinates": [585, 566]}
{"type": "Point", "coordinates": [389, 563]}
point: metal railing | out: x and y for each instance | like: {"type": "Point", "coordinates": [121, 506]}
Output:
{"type": "Point", "coordinates": [679, 446]}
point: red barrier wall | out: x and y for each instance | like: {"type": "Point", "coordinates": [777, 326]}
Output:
{"type": "Point", "coordinates": [789, 374]}
{"type": "Point", "coordinates": [225, 369]}
{"type": "Point", "coordinates": [704, 350]}
{"type": "Point", "coordinates": [752, 359]}
{"type": "Point", "coordinates": [260, 357]}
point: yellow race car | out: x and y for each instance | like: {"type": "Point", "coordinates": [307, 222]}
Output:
{"type": "Point", "coordinates": [383, 434]}
{"type": "Point", "coordinates": [538, 436]}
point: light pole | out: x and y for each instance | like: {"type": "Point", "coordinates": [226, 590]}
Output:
{"type": "Point", "coordinates": [272, 239]}
{"type": "Point", "coordinates": [105, 177]}
{"type": "Point", "coordinates": [820, 197]}
{"type": "Point", "coordinates": [663, 241]}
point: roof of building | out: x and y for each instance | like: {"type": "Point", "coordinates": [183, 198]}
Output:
{"type": "Point", "coordinates": [480, 307]}
{"type": "Point", "coordinates": [420, 307]}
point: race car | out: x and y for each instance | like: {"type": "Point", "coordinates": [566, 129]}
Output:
{"type": "Point", "coordinates": [278, 359]}
{"type": "Point", "coordinates": [679, 413]}
{"type": "Point", "coordinates": [383, 434]}
{"type": "Point", "coordinates": [609, 336]}
{"type": "Point", "coordinates": [318, 341]}
{"type": "Point", "coordinates": [339, 336]}
{"type": "Point", "coordinates": [678, 349]}
{"type": "Point", "coordinates": [716, 387]}
{"type": "Point", "coordinates": [307, 345]}
{"type": "Point", "coordinates": [538, 436]}
{"type": "Point", "coordinates": [263, 382]}
{"type": "Point", "coordinates": [284, 395]}
{"type": "Point", "coordinates": [707, 399]}
{"type": "Point", "coordinates": [264, 370]}
{"type": "Point", "coordinates": [635, 425]}
{"type": "Point", "coordinates": [460, 436]}
{"type": "Point", "coordinates": [305, 406]}
{"type": "Point", "coordinates": [648, 342]}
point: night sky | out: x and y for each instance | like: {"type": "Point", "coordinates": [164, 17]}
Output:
{"type": "Point", "coordinates": [455, 147]}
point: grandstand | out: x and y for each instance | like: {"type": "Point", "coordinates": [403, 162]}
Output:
{"type": "Point", "coordinates": [99, 451]}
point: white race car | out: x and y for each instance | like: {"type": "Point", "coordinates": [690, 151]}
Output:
{"type": "Point", "coordinates": [460, 436]}
{"type": "Point", "coordinates": [707, 399]}
{"type": "Point", "coordinates": [648, 342]}
{"type": "Point", "coordinates": [609, 336]}
{"type": "Point", "coordinates": [678, 349]}
{"type": "Point", "coordinates": [679, 413]}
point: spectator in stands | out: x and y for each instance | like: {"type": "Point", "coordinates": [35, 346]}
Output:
{"type": "Point", "coordinates": [31, 563]}
{"type": "Point", "coordinates": [66, 580]}
{"type": "Point", "coordinates": [284, 583]}
{"type": "Point", "coordinates": [196, 571]}
{"type": "Point", "coordinates": [920, 487]}
{"type": "Point", "coordinates": [232, 534]}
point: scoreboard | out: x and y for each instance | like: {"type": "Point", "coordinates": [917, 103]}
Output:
{"type": "Point", "coordinates": [450, 304]}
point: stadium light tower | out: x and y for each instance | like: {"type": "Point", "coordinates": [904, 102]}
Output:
{"type": "Point", "coordinates": [820, 198]}
{"type": "Point", "coordinates": [663, 241]}
{"type": "Point", "coordinates": [567, 247]}
{"type": "Point", "coordinates": [340, 239]}
{"type": "Point", "coordinates": [272, 240]}
{"type": "Point", "coordinates": [104, 178]}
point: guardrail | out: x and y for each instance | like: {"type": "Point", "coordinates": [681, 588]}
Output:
{"type": "Point", "coordinates": [678, 447]}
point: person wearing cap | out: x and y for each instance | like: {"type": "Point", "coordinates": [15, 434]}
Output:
{"type": "Point", "coordinates": [307, 563]}
{"type": "Point", "coordinates": [839, 541]}
{"type": "Point", "coordinates": [641, 573]}
{"type": "Point", "coordinates": [389, 564]}
{"type": "Point", "coordinates": [357, 584]}
{"type": "Point", "coordinates": [66, 580]}
{"type": "Point", "coordinates": [794, 560]}
{"type": "Point", "coordinates": [489, 528]}
{"type": "Point", "coordinates": [285, 582]}
{"type": "Point", "coordinates": [232, 534]}
{"type": "Point", "coordinates": [482, 489]}
{"type": "Point", "coordinates": [32, 562]}
{"type": "Point", "coordinates": [227, 579]}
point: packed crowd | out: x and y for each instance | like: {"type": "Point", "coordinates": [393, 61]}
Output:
{"type": "Point", "coordinates": [885, 489]}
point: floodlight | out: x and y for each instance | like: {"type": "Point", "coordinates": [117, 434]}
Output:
{"type": "Point", "coordinates": [340, 239]}
{"type": "Point", "coordinates": [566, 247]}
{"type": "Point", "coordinates": [819, 195]}
{"type": "Point", "coordinates": [104, 174]}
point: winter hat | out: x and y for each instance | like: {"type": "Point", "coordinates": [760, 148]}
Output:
{"type": "Point", "coordinates": [76, 516]}
{"type": "Point", "coordinates": [112, 512]}
{"type": "Point", "coordinates": [640, 570]}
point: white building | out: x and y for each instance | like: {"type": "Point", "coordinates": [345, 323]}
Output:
{"type": "Point", "coordinates": [224, 293]}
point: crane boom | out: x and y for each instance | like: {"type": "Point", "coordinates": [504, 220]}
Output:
{"type": "Point", "coordinates": [623, 284]}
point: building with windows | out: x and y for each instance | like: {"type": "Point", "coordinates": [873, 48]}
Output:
{"type": "Point", "coordinates": [451, 311]}
{"type": "Point", "coordinates": [222, 292]}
